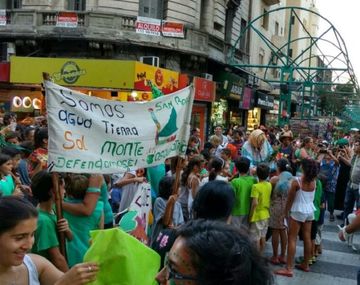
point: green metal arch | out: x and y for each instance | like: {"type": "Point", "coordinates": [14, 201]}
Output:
{"type": "Point", "coordinates": [282, 53]}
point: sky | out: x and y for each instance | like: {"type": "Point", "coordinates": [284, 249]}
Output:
{"type": "Point", "coordinates": [344, 16]}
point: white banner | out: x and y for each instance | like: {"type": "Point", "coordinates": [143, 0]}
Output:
{"type": "Point", "coordinates": [92, 135]}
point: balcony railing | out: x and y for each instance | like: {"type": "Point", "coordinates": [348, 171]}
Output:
{"type": "Point", "coordinates": [99, 26]}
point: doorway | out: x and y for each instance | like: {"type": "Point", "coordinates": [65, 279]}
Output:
{"type": "Point", "coordinates": [198, 120]}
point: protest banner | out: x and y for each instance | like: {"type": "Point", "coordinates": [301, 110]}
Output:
{"type": "Point", "coordinates": [92, 135]}
{"type": "Point", "coordinates": [136, 219]}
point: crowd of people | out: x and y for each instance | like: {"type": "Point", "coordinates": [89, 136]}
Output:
{"type": "Point", "coordinates": [236, 191]}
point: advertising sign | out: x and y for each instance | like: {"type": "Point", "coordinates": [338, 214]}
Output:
{"type": "Point", "coordinates": [3, 17]}
{"type": "Point", "coordinates": [265, 101]}
{"type": "Point", "coordinates": [166, 80]}
{"type": "Point", "coordinates": [204, 89]}
{"type": "Point", "coordinates": [67, 20]}
{"type": "Point", "coordinates": [148, 26]}
{"type": "Point", "coordinates": [74, 72]}
{"type": "Point", "coordinates": [92, 135]}
{"type": "Point", "coordinates": [172, 29]}
{"type": "Point", "coordinates": [245, 103]}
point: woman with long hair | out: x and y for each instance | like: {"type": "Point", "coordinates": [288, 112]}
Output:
{"type": "Point", "coordinates": [18, 221]}
{"type": "Point", "coordinates": [190, 182]}
{"type": "Point", "coordinates": [300, 207]}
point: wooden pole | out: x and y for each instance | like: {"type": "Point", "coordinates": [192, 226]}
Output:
{"type": "Point", "coordinates": [58, 207]}
{"type": "Point", "coordinates": [169, 210]}
{"type": "Point", "coordinates": [58, 196]}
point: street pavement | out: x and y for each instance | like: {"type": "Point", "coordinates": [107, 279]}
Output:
{"type": "Point", "coordinates": [337, 265]}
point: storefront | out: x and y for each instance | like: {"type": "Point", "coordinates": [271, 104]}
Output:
{"type": "Point", "coordinates": [205, 91]}
{"type": "Point", "coordinates": [257, 115]}
{"type": "Point", "coordinates": [230, 93]}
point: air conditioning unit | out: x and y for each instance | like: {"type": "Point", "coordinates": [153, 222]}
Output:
{"type": "Point", "coordinates": [151, 60]}
{"type": "Point", "coordinates": [207, 76]}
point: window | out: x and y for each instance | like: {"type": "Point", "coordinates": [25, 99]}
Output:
{"type": "Point", "coordinates": [243, 37]}
{"type": "Point", "coordinates": [77, 5]}
{"type": "Point", "coordinates": [261, 58]}
{"type": "Point", "coordinates": [218, 27]}
{"type": "Point", "coordinates": [151, 8]}
{"type": "Point", "coordinates": [265, 20]}
{"type": "Point", "coordinates": [13, 4]}
{"type": "Point", "coordinates": [276, 28]}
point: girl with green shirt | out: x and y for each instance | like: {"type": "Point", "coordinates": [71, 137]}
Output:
{"type": "Point", "coordinates": [7, 184]}
{"type": "Point", "coordinates": [76, 190]}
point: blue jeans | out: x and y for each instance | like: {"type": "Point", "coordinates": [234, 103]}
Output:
{"type": "Point", "coordinates": [351, 197]}
{"type": "Point", "coordinates": [358, 277]}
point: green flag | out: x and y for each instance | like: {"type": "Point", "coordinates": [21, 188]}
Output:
{"type": "Point", "coordinates": [123, 260]}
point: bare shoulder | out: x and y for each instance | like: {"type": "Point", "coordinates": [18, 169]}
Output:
{"type": "Point", "coordinates": [38, 260]}
{"type": "Point", "coordinates": [274, 179]}
{"type": "Point", "coordinates": [46, 270]}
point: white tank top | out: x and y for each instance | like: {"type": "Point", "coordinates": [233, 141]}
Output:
{"type": "Point", "coordinates": [304, 201]}
{"type": "Point", "coordinates": [33, 273]}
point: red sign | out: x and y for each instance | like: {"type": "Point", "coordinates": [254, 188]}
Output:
{"type": "Point", "coordinates": [148, 26]}
{"type": "Point", "coordinates": [4, 71]}
{"type": "Point", "coordinates": [172, 29]}
{"type": "Point", "coordinates": [204, 89]}
{"type": "Point", "coordinates": [246, 100]}
{"type": "Point", "coordinates": [67, 20]}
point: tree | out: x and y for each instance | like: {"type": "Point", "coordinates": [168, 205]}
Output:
{"type": "Point", "coordinates": [334, 102]}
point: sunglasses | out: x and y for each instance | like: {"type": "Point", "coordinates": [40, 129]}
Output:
{"type": "Point", "coordinates": [172, 274]}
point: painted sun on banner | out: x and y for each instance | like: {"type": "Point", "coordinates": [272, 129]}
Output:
{"type": "Point", "coordinates": [92, 135]}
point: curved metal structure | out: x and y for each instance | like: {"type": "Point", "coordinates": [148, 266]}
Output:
{"type": "Point", "coordinates": [304, 72]}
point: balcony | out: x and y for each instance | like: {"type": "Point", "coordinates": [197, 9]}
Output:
{"type": "Point", "coordinates": [271, 2]}
{"type": "Point", "coordinates": [96, 26]}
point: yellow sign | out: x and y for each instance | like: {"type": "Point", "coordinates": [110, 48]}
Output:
{"type": "Point", "coordinates": [166, 80]}
{"type": "Point", "coordinates": [74, 72]}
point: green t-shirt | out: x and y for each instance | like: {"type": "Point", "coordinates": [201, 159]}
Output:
{"type": "Point", "coordinates": [81, 227]}
{"type": "Point", "coordinates": [242, 188]}
{"type": "Point", "coordinates": [317, 199]}
{"type": "Point", "coordinates": [45, 235]}
{"type": "Point", "coordinates": [7, 185]}
{"type": "Point", "coordinates": [261, 191]}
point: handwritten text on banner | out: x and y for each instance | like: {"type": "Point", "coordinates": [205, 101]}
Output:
{"type": "Point", "coordinates": [88, 134]}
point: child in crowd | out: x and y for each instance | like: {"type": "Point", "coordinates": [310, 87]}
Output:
{"type": "Point", "coordinates": [329, 168]}
{"type": "Point", "coordinates": [260, 205]}
{"type": "Point", "coordinates": [165, 189]}
{"type": "Point", "coordinates": [242, 187]}
{"type": "Point", "coordinates": [46, 241]}
{"type": "Point", "coordinates": [76, 188]}
{"type": "Point", "coordinates": [229, 164]}
{"type": "Point", "coordinates": [216, 167]}
{"type": "Point", "coordinates": [190, 181]}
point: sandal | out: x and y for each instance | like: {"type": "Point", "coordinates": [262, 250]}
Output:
{"type": "Point", "coordinates": [282, 260]}
{"type": "Point", "coordinates": [302, 267]}
{"type": "Point", "coordinates": [284, 272]}
{"type": "Point", "coordinates": [274, 260]}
